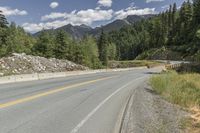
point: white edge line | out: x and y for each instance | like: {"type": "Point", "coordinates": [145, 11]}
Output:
{"type": "Point", "coordinates": [76, 129]}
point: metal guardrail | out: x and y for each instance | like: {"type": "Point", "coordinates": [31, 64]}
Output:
{"type": "Point", "coordinates": [173, 66]}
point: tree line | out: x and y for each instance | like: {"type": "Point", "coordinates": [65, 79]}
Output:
{"type": "Point", "coordinates": [177, 29]}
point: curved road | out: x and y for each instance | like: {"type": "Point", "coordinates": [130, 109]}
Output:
{"type": "Point", "coordinates": [79, 104]}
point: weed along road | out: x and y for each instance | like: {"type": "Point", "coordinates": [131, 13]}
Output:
{"type": "Point", "coordinates": [78, 104]}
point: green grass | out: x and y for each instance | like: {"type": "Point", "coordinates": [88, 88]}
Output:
{"type": "Point", "coordinates": [181, 89]}
{"type": "Point", "coordinates": [133, 63]}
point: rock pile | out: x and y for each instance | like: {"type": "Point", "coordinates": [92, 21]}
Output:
{"type": "Point", "coordinates": [28, 64]}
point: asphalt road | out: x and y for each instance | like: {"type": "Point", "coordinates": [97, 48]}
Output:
{"type": "Point", "coordinates": [78, 104]}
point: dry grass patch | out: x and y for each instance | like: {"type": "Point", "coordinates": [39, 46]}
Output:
{"type": "Point", "coordinates": [196, 114]}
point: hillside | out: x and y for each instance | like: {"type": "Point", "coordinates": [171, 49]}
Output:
{"type": "Point", "coordinates": [160, 54]}
{"type": "Point", "coordinates": [27, 64]}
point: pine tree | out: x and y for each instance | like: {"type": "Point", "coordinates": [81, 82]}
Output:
{"type": "Point", "coordinates": [185, 23]}
{"type": "Point", "coordinates": [170, 25]}
{"type": "Point", "coordinates": [196, 15]}
{"type": "Point", "coordinates": [186, 13]}
{"type": "Point", "coordinates": [3, 34]}
{"type": "Point", "coordinates": [62, 45]}
{"type": "Point", "coordinates": [174, 15]}
{"type": "Point", "coordinates": [172, 28]}
{"type": "Point", "coordinates": [44, 45]}
{"type": "Point", "coordinates": [170, 16]}
{"type": "Point", "coordinates": [3, 20]}
{"type": "Point", "coordinates": [164, 26]}
{"type": "Point", "coordinates": [103, 48]}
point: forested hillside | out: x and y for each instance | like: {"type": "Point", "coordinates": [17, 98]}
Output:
{"type": "Point", "coordinates": [175, 30]}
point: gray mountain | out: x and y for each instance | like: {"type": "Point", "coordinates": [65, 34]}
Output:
{"type": "Point", "coordinates": [78, 32]}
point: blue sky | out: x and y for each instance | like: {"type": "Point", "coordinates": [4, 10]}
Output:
{"type": "Point", "coordinates": [35, 15]}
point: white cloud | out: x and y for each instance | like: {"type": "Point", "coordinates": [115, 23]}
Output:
{"type": "Point", "coordinates": [53, 15]}
{"type": "Point", "coordinates": [121, 14]}
{"type": "Point", "coordinates": [91, 15]}
{"type": "Point", "coordinates": [32, 27]}
{"type": "Point", "coordinates": [105, 3]}
{"type": "Point", "coordinates": [165, 7]}
{"type": "Point", "coordinates": [76, 18]}
{"type": "Point", "coordinates": [149, 1]}
{"type": "Point", "coordinates": [7, 11]}
{"type": "Point", "coordinates": [88, 16]}
{"type": "Point", "coordinates": [54, 5]}
{"type": "Point", "coordinates": [97, 8]}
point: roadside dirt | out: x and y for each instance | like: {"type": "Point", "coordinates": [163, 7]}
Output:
{"type": "Point", "coordinates": [147, 112]}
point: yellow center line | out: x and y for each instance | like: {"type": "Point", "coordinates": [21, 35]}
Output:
{"type": "Point", "coordinates": [11, 103]}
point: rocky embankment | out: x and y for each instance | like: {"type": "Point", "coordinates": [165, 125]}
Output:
{"type": "Point", "coordinates": [28, 64]}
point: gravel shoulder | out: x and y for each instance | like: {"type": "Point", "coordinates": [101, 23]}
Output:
{"type": "Point", "coordinates": [147, 112]}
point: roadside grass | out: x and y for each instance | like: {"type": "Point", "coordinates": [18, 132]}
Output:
{"type": "Point", "coordinates": [133, 63]}
{"type": "Point", "coordinates": [183, 90]}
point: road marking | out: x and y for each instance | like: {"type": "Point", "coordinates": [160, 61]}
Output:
{"type": "Point", "coordinates": [77, 128]}
{"type": "Point", "coordinates": [8, 104]}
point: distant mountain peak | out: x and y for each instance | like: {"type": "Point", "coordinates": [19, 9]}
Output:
{"type": "Point", "coordinates": [69, 25]}
{"type": "Point", "coordinates": [78, 32]}
{"type": "Point", "coordinates": [85, 26]}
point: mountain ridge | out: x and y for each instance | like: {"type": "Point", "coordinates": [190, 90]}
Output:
{"type": "Point", "coordinates": [78, 32]}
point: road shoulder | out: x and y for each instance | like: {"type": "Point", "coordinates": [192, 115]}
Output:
{"type": "Point", "coordinates": [148, 112]}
